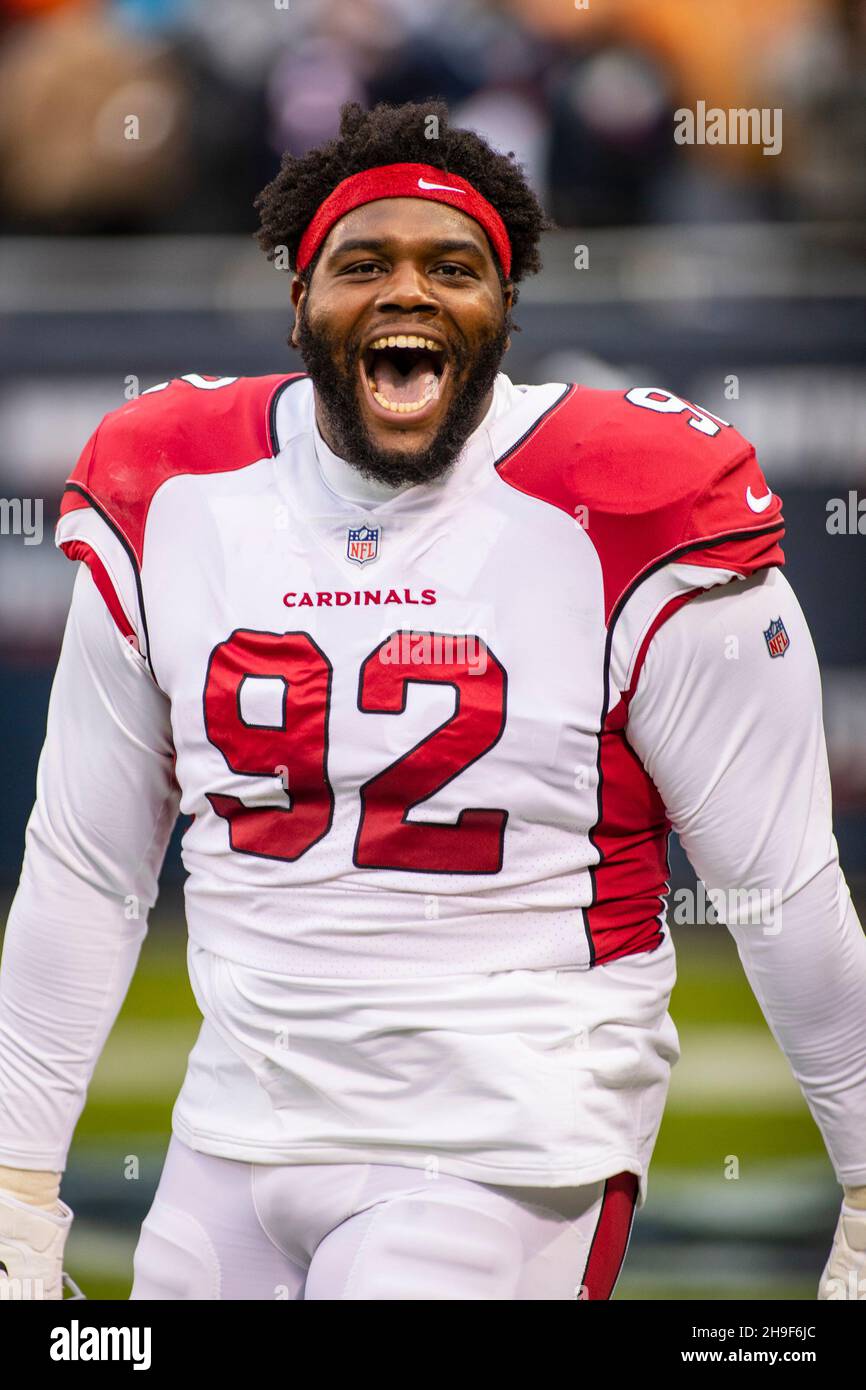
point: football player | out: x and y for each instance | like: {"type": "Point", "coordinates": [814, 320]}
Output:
{"type": "Point", "coordinates": [433, 662]}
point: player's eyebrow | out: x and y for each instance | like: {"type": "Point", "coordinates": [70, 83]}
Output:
{"type": "Point", "coordinates": [381, 244]}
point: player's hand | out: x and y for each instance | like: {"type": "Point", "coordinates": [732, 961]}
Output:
{"type": "Point", "coordinates": [31, 1249]}
{"type": "Point", "coordinates": [844, 1274]}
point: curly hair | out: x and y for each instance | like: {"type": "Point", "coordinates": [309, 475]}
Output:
{"type": "Point", "coordinates": [391, 135]}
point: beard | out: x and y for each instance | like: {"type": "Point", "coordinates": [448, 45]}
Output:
{"type": "Point", "coordinates": [337, 386]}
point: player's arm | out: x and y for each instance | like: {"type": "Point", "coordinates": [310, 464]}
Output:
{"type": "Point", "coordinates": [734, 741]}
{"type": "Point", "coordinates": [105, 805]}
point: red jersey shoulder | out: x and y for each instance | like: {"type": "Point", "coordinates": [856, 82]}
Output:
{"type": "Point", "coordinates": [631, 451]}
{"type": "Point", "coordinates": [650, 477]}
{"type": "Point", "coordinates": [194, 424]}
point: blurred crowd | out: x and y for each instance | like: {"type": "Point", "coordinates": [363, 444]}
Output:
{"type": "Point", "coordinates": [170, 115]}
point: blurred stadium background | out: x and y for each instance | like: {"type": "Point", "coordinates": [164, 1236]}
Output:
{"type": "Point", "coordinates": [733, 278]}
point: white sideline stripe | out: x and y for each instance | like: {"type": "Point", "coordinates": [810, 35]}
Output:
{"type": "Point", "coordinates": [727, 1068]}
{"type": "Point", "coordinates": [143, 1059]}
{"type": "Point", "coordinates": [97, 1251]}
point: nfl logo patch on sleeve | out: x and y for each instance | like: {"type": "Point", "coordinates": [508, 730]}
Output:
{"type": "Point", "coordinates": [776, 638]}
{"type": "Point", "coordinates": [362, 544]}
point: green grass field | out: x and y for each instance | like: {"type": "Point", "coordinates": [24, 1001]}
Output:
{"type": "Point", "coordinates": [704, 1232]}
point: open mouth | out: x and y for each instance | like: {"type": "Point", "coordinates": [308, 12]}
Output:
{"type": "Point", "coordinates": [404, 373]}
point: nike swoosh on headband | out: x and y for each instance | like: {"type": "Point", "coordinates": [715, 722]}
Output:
{"type": "Point", "coordinates": [422, 183]}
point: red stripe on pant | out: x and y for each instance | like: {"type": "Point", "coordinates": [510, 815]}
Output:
{"type": "Point", "coordinates": [610, 1241]}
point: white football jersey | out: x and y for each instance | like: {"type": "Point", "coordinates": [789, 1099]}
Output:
{"type": "Point", "coordinates": [399, 727]}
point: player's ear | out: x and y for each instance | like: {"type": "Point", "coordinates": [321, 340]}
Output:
{"type": "Point", "coordinates": [508, 304]}
{"type": "Point", "coordinates": [298, 292]}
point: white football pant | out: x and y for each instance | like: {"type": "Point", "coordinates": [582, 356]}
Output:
{"type": "Point", "coordinates": [223, 1229]}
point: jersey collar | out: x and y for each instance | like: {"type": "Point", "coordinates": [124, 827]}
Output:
{"type": "Point", "coordinates": [321, 483]}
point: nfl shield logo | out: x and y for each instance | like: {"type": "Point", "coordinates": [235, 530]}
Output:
{"type": "Point", "coordinates": [362, 544]}
{"type": "Point", "coordinates": [776, 638]}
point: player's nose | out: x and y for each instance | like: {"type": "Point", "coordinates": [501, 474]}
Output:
{"type": "Point", "coordinates": [406, 287]}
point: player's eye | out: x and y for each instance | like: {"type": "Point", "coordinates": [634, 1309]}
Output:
{"type": "Point", "coordinates": [361, 266]}
{"type": "Point", "coordinates": [453, 266]}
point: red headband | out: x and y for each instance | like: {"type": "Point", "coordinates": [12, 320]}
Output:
{"type": "Point", "coordinates": [404, 181]}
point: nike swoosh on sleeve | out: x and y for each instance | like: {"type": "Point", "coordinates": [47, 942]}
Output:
{"type": "Point", "coordinates": [758, 504]}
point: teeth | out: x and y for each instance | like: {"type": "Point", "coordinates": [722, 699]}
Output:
{"type": "Point", "coordinates": [406, 340]}
{"type": "Point", "coordinates": [399, 407]}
